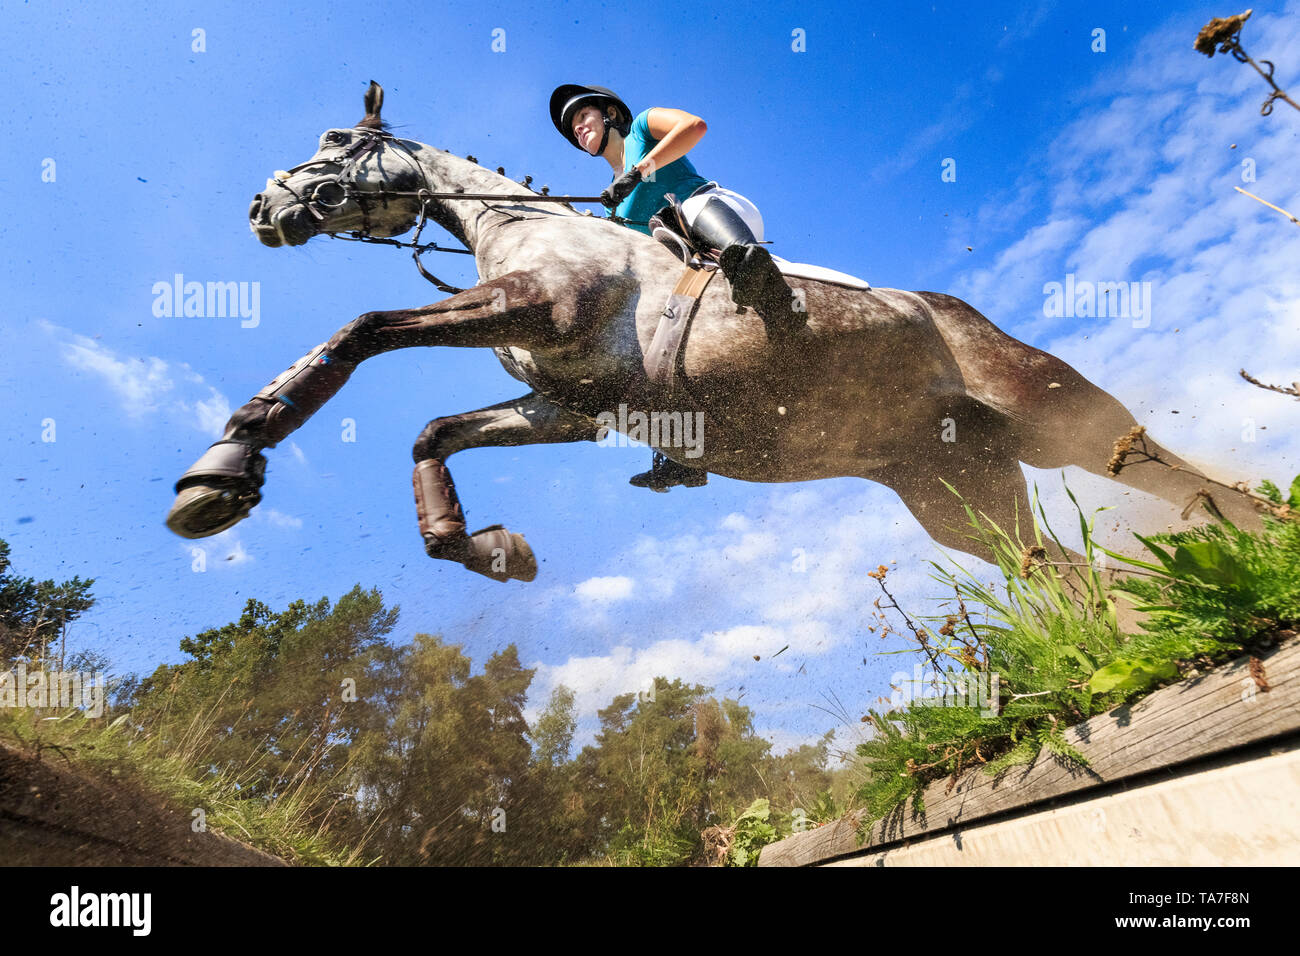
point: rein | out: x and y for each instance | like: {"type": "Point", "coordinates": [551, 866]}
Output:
{"type": "Point", "coordinates": [367, 142]}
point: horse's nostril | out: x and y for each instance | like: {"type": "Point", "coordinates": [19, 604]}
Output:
{"type": "Point", "coordinates": [255, 209]}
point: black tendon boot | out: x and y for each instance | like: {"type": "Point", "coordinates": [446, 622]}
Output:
{"type": "Point", "coordinates": [755, 280]}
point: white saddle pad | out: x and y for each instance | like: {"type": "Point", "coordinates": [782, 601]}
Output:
{"type": "Point", "coordinates": [802, 270]}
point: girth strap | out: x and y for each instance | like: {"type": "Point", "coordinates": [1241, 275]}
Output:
{"type": "Point", "coordinates": [661, 358]}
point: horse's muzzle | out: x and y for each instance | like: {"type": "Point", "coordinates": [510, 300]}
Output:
{"type": "Point", "coordinates": [288, 225]}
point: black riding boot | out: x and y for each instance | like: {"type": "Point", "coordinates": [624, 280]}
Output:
{"type": "Point", "coordinates": [755, 279]}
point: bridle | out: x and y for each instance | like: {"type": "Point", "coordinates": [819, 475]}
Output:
{"type": "Point", "coordinates": [369, 140]}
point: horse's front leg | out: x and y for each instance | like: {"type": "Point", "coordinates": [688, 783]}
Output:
{"type": "Point", "coordinates": [516, 309]}
{"type": "Point", "coordinates": [492, 551]}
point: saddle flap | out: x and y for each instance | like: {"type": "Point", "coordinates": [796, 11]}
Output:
{"type": "Point", "coordinates": [661, 357]}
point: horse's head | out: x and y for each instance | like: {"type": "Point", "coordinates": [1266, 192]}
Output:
{"type": "Point", "coordinates": [346, 187]}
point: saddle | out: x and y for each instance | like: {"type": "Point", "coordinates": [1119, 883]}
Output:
{"type": "Point", "coordinates": [668, 226]}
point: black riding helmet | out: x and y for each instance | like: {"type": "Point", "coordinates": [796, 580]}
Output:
{"type": "Point", "coordinates": [571, 97]}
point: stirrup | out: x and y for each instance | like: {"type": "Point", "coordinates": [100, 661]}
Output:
{"type": "Point", "coordinates": [665, 473]}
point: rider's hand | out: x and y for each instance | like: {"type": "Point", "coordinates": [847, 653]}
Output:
{"type": "Point", "coordinates": [620, 188]}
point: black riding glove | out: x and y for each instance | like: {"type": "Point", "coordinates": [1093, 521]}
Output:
{"type": "Point", "coordinates": [620, 188]}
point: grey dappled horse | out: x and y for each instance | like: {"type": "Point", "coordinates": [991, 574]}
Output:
{"type": "Point", "coordinates": [902, 388]}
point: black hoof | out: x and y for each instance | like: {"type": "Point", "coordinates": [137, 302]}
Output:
{"type": "Point", "coordinates": [218, 490]}
{"type": "Point", "coordinates": [202, 510]}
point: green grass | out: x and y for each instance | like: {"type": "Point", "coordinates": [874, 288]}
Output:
{"type": "Point", "coordinates": [114, 749]}
{"type": "Point", "coordinates": [1050, 634]}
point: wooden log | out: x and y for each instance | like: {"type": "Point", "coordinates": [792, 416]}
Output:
{"type": "Point", "coordinates": [1184, 722]}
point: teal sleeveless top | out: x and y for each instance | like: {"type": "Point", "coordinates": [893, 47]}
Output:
{"type": "Point", "coordinates": [678, 177]}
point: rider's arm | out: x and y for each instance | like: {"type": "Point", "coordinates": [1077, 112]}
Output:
{"type": "Point", "coordinates": [677, 132]}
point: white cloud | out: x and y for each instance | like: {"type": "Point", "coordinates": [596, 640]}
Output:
{"type": "Point", "coordinates": [801, 555]}
{"type": "Point", "coordinates": [148, 385]}
{"type": "Point", "coordinates": [237, 554]}
{"type": "Point", "coordinates": [280, 519]}
{"type": "Point", "coordinates": [617, 588]}
{"type": "Point", "coordinates": [219, 551]}
{"type": "Point", "coordinates": [751, 547]}
{"type": "Point", "coordinates": [140, 385]}
{"type": "Point", "coordinates": [1139, 187]}
{"type": "Point", "coordinates": [595, 680]}
{"type": "Point", "coordinates": [1016, 276]}
{"type": "Point", "coordinates": [212, 412]}
{"type": "Point", "coordinates": [734, 522]}
{"type": "Point", "coordinates": [745, 639]}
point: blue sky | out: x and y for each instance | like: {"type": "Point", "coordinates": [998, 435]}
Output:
{"type": "Point", "coordinates": [1114, 166]}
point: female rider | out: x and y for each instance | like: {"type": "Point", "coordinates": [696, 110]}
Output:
{"type": "Point", "coordinates": [648, 155]}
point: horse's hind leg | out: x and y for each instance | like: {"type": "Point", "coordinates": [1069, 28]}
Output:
{"type": "Point", "coordinates": [1060, 418]}
{"type": "Point", "coordinates": [492, 551]}
{"type": "Point", "coordinates": [972, 448]}
{"type": "Point", "coordinates": [993, 487]}
{"type": "Point", "coordinates": [1079, 424]}
{"type": "Point", "coordinates": [992, 484]}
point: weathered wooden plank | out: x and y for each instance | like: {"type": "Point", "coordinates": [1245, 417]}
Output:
{"type": "Point", "coordinates": [1188, 720]}
{"type": "Point", "coordinates": [1241, 814]}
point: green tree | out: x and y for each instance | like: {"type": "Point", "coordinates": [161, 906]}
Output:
{"type": "Point", "coordinates": [34, 613]}
{"type": "Point", "coordinates": [275, 698]}
{"type": "Point", "coordinates": [441, 775]}
{"type": "Point", "coordinates": [553, 733]}
{"type": "Point", "coordinates": [548, 803]}
{"type": "Point", "coordinates": [643, 781]}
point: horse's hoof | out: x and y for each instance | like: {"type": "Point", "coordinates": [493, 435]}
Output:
{"type": "Point", "coordinates": [501, 555]}
{"type": "Point", "coordinates": [202, 510]}
{"type": "Point", "coordinates": [492, 552]}
{"type": "Point", "coordinates": [218, 490]}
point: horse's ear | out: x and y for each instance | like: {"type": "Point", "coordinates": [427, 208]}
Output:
{"type": "Point", "coordinates": [374, 103]}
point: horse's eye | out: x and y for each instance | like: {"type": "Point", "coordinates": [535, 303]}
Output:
{"type": "Point", "coordinates": [334, 137]}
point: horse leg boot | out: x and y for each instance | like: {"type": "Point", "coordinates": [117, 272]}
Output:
{"type": "Point", "coordinates": [494, 552]}
{"type": "Point", "coordinates": [221, 488]}
{"type": "Point", "coordinates": [755, 279]}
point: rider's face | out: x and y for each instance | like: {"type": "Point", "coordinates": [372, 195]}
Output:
{"type": "Point", "coordinates": [589, 128]}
